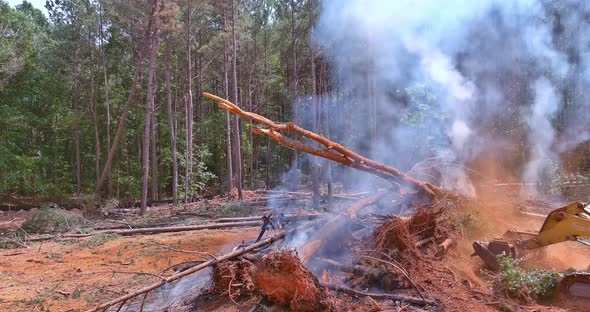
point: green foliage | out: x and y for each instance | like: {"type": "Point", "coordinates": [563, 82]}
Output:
{"type": "Point", "coordinates": [200, 174]}
{"type": "Point", "coordinates": [52, 220]}
{"type": "Point", "coordinates": [527, 285]}
{"type": "Point", "coordinates": [10, 242]}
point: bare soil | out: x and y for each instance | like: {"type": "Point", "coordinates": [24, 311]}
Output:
{"type": "Point", "coordinates": [71, 275]}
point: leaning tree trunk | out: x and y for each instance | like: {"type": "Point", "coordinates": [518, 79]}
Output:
{"type": "Point", "coordinates": [123, 116]}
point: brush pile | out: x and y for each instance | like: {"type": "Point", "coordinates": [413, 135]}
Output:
{"type": "Point", "coordinates": [368, 252]}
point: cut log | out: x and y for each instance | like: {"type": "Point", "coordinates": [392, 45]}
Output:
{"type": "Point", "coordinates": [332, 150]}
{"type": "Point", "coordinates": [335, 229]}
{"type": "Point", "coordinates": [153, 230]}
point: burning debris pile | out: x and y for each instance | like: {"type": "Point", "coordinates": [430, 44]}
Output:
{"type": "Point", "coordinates": [383, 263]}
{"type": "Point", "coordinates": [365, 251]}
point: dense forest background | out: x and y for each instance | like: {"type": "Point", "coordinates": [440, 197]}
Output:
{"type": "Point", "coordinates": [104, 96]}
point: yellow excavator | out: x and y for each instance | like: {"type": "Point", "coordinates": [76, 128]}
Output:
{"type": "Point", "coordinates": [569, 223]}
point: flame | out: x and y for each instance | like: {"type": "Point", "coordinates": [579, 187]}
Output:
{"type": "Point", "coordinates": [325, 276]}
{"type": "Point", "coordinates": [402, 192]}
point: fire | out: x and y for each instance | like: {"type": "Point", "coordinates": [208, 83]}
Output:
{"type": "Point", "coordinates": [325, 276]}
{"type": "Point", "coordinates": [402, 192]}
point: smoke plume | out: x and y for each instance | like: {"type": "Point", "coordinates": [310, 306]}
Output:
{"type": "Point", "coordinates": [452, 79]}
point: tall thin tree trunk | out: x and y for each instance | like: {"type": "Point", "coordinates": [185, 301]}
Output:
{"type": "Point", "coordinates": [324, 78]}
{"type": "Point", "coordinates": [294, 82]}
{"type": "Point", "coordinates": [93, 111]}
{"type": "Point", "coordinates": [230, 175]}
{"type": "Point", "coordinates": [189, 108]}
{"type": "Point", "coordinates": [237, 143]}
{"type": "Point", "coordinates": [250, 135]}
{"type": "Point", "coordinates": [314, 109]}
{"type": "Point", "coordinates": [154, 147]}
{"type": "Point", "coordinates": [106, 95]}
{"type": "Point", "coordinates": [77, 134]}
{"type": "Point", "coordinates": [171, 126]}
{"type": "Point", "coordinates": [149, 108]}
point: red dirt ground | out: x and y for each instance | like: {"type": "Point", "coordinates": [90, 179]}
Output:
{"type": "Point", "coordinates": [71, 276]}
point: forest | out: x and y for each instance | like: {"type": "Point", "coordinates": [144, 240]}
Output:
{"type": "Point", "coordinates": [141, 117]}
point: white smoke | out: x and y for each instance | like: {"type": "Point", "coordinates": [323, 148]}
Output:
{"type": "Point", "coordinates": [541, 134]}
{"type": "Point", "coordinates": [481, 60]}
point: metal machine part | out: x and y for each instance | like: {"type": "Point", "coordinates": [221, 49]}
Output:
{"type": "Point", "coordinates": [568, 223]}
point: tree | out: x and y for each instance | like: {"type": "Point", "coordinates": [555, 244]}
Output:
{"type": "Point", "coordinates": [314, 108]}
{"type": "Point", "coordinates": [169, 24]}
{"type": "Point", "coordinates": [237, 144]}
{"type": "Point", "coordinates": [294, 91]}
{"type": "Point", "coordinates": [152, 46]}
{"type": "Point", "coordinates": [228, 140]}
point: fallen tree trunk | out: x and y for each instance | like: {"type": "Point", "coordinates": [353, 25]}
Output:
{"type": "Point", "coordinates": [153, 230]}
{"type": "Point", "coordinates": [335, 229]}
{"type": "Point", "coordinates": [295, 217]}
{"type": "Point", "coordinates": [332, 150]}
{"type": "Point", "coordinates": [187, 272]}
{"type": "Point", "coordinates": [396, 297]}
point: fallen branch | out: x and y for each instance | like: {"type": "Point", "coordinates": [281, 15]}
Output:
{"type": "Point", "coordinates": [294, 217]}
{"type": "Point", "coordinates": [396, 297]}
{"type": "Point", "coordinates": [402, 271]}
{"type": "Point", "coordinates": [153, 230]}
{"type": "Point", "coordinates": [332, 150]}
{"type": "Point", "coordinates": [182, 274]}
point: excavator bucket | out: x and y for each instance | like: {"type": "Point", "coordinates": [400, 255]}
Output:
{"type": "Point", "coordinates": [575, 285]}
{"type": "Point", "coordinates": [488, 251]}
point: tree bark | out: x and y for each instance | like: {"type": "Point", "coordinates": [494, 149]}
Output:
{"type": "Point", "coordinates": [171, 126]}
{"type": "Point", "coordinates": [294, 90]}
{"type": "Point", "coordinates": [237, 143]}
{"type": "Point", "coordinates": [314, 109]}
{"type": "Point", "coordinates": [228, 140]}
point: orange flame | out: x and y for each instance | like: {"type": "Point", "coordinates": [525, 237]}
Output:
{"type": "Point", "coordinates": [402, 192]}
{"type": "Point", "coordinates": [325, 276]}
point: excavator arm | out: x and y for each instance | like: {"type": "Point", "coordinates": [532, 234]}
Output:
{"type": "Point", "coordinates": [569, 223]}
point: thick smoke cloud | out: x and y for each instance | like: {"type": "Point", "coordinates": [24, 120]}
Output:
{"type": "Point", "coordinates": [459, 67]}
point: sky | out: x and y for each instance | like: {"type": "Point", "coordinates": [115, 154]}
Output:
{"type": "Point", "coordinates": [39, 4]}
